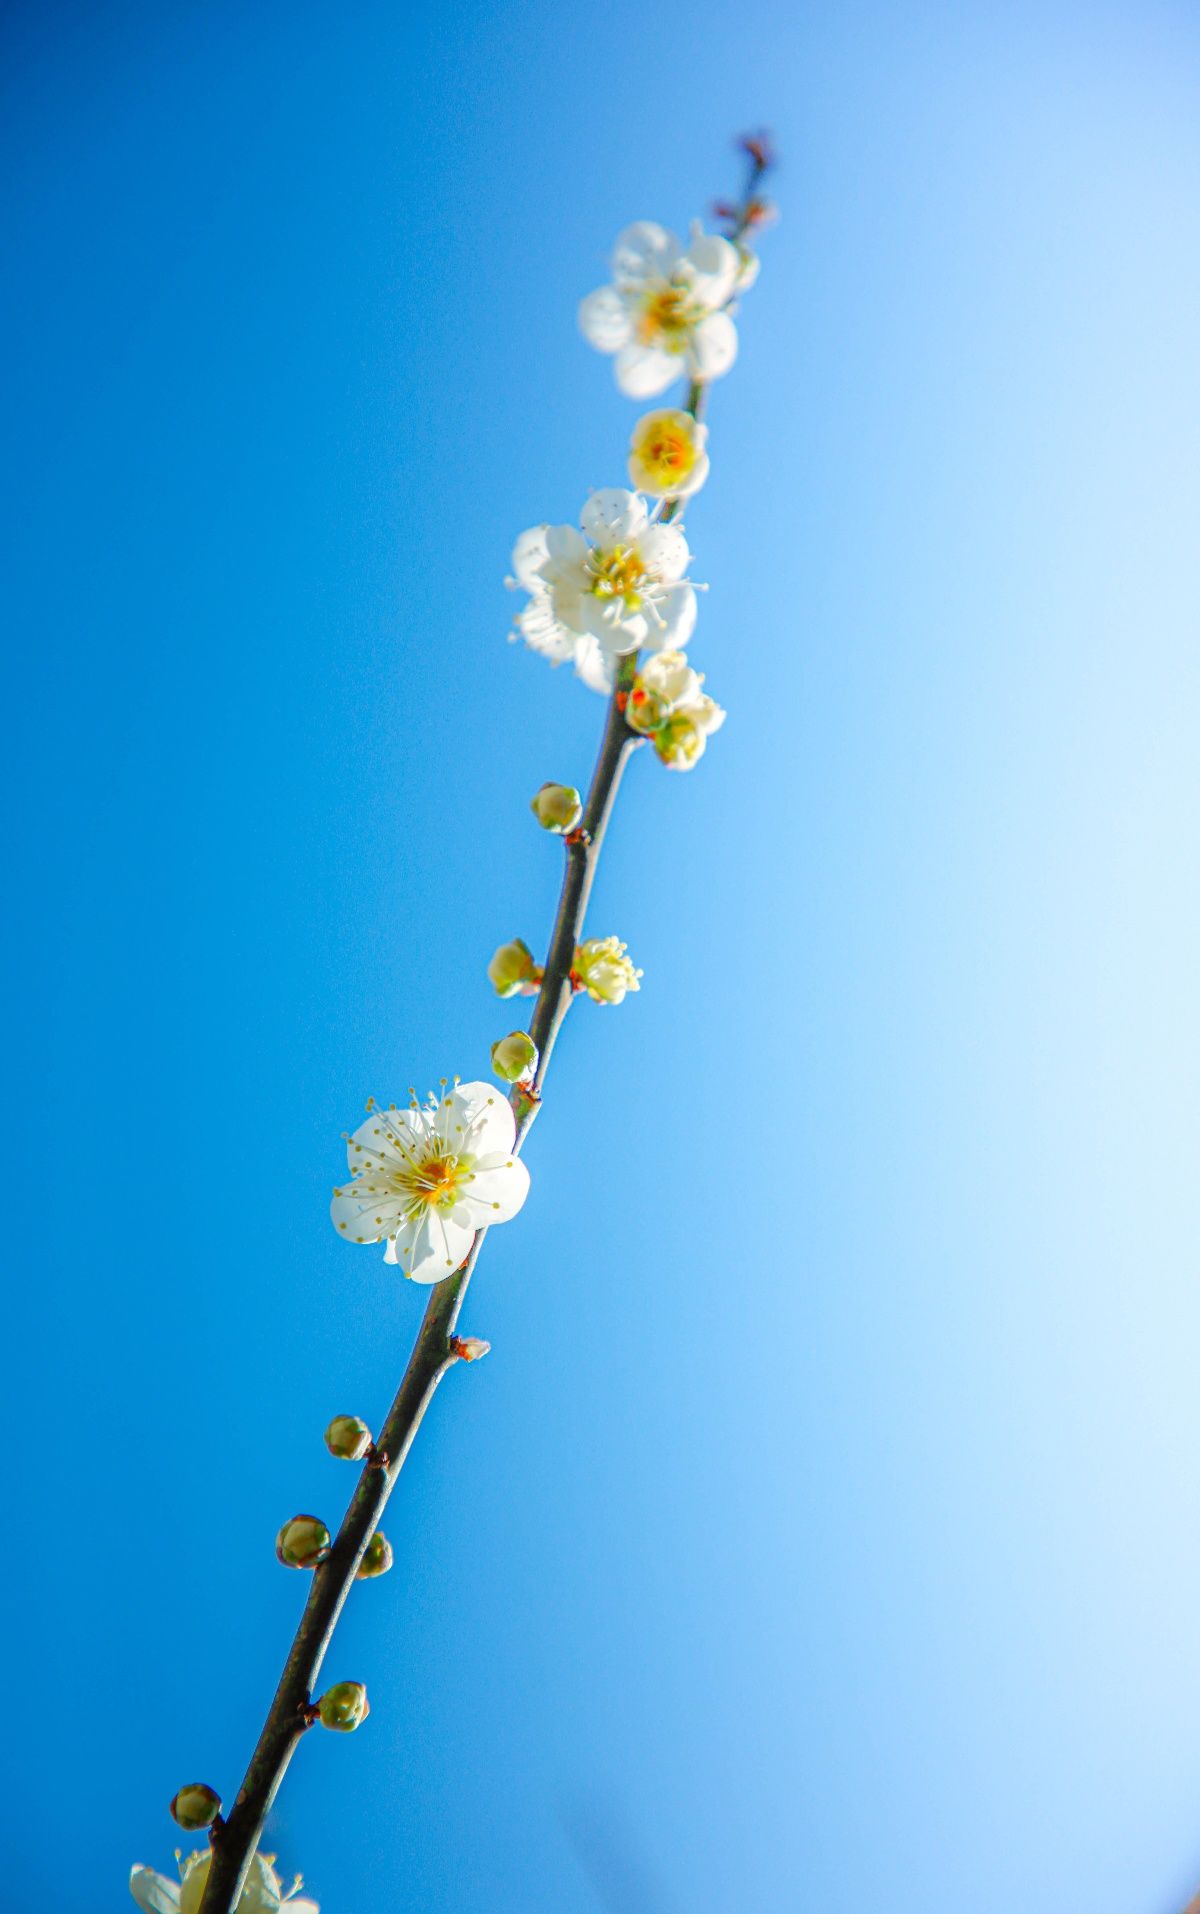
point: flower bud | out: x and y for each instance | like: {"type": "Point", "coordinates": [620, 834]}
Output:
{"type": "Point", "coordinates": [348, 1437]}
{"type": "Point", "coordinates": [515, 1056]}
{"type": "Point", "coordinates": [667, 458]}
{"type": "Point", "coordinates": [604, 971]}
{"type": "Point", "coordinates": [343, 1706]}
{"type": "Point", "coordinates": [557, 807]}
{"type": "Point", "coordinates": [645, 711]}
{"type": "Point", "coordinates": [196, 1806]}
{"type": "Point", "coordinates": [302, 1542]}
{"type": "Point", "coordinates": [469, 1348]}
{"type": "Point", "coordinates": [377, 1558]}
{"type": "Point", "coordinates": [513, 972]}
{"type": "Point", "coordinates": [680, 743]}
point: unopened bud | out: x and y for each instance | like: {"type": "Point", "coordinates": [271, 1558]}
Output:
{"type": "Point", "coordinates": [515, 1056]}
{"type": "Point", "coordinates": [469, 1348]}
{"type": "Point", "coordinates": [302, 1542]}
{"type": "Point", "coordinates": [343, 1706]}
{"type": "Point", "coordinates": [196, 1806]}
{"type": "Point", "coordinates": [557, 807]}
{"type": "Point", "coordinates": [512, 970]}
{"type": "Point", "coordinates": [644, 712]}
{"type": "Point", "coordinates": [348, 1437]}
{"type": "Point", "coordinates": [377, 1558]}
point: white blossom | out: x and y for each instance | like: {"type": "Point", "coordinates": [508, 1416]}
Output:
{"type": "Point", "coordinates": [667, 458]}
{"type": "Point", "coordinates": [663, 315]}
{"type": "Point", "coordinates": [617, 586]}
{"type": "Point", "coordinates": [668, 705]}
{"type": "Point", "coordinates": [427, 1178]}
{"type": "Point", "coordinates": [262, 1894]}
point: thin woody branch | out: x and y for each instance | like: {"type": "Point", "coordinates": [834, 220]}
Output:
{"type": "Point", "coordinates": [235, 1839]}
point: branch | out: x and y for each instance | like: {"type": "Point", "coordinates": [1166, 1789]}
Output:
{"type": "Point", "coordinates": [235, 1839]}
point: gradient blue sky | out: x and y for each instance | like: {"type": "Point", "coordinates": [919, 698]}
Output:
{"type": "Point", "coordinates": [824, 1531]}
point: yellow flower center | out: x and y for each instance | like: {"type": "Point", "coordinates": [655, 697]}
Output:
{"type": "Point", "coordinates": [667, 453]}
{"type": "Point", "coordinates": [434, 1181]}
{"type": "Point", "coordinates": [665, 318]}
{"type": "Point", "coordinates": [618, 573]}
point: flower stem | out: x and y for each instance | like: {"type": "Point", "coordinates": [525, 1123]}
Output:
{"type": "Point", "coordinates": [234, 1842]}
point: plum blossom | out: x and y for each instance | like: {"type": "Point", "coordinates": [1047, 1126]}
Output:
{"type": "Point", "coordinates": [617, 587]}
{"type": "Point", "coordinates": [663, 315]}
{"type": "Point", "coordinates": [668, 705]}
{"type": "Point", "coordinates": [428, 1178]}
{"type": "Point", "coordinates": [262, 1894]}
{"type": "Point", "coordinates": [667, 458]}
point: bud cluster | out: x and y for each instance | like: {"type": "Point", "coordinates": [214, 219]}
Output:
{"type": "Point", "coordinates": [666, 704]}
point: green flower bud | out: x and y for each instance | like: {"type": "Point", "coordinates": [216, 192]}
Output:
{"type": "Point", "coordinates": [513, 972]}
{"type": "Point", "coordinates": [348, 1437]}
{"type": "Point", "coordinates": [343, 1706]}
{"type": "Point", "coordinates": [557, 807]}
{"type": "Point", "coordinates": [377, 1558]}
{"type": "Point", "coordinates": [515, 1056]}
{"type": "Point", "coordinates": [645, 710]}
{"type": "Point", "coordinates": [302, 1542]}
{"type": "Point", "coordinates": [604, 971]}
{"type": "Point", "coordinates": [196, 1806]}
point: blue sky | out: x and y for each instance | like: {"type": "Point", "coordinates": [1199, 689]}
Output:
{"type": "Point", "coordinates": [822, 1532]}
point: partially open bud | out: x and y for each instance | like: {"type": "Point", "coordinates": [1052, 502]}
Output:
{"type": "Point", "coordinates": [196, 1806]}
{"type": "Point", "coordinates": [680, 743]}
{"type": "Point", "coordinates": [348, 1437]}
{"type": "Point", "coordinates": [557, 807]}
{"type": "Point", "coordinates": [343, 1706]}
{"type": "Point", "coordinates": [513, 972]}
{"type": "Point", "coordinates": [469, 1348]}
{"type": "Point", "coordinates": [515, 1056]}
{"type": "Point", "coordinates": [302, 1542]}
{"type": "Point", "coordinates": [645, 712]}
{"type": "Point", "coordinates": [604, 971]}
{"type": "Point", "coordinates": [377, 1558]}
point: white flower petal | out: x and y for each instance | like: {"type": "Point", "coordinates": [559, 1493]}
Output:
{"type": "Point", "coordinates": [153, 1892]}
{"type": "Point", "coordinates": [365, 1212]}
{"type": "Point", "coordinates": [645, 250]}
{"type": "Point", "coordinates": [714, 266]}
{"type": "Point", "coordinates": [497, 1190]}
{"type": "Point", "coordinates": [479, 1118]}
{"type": "Point", "coordinates": [712, 346]}
{"type": "Point", "coordinates": [645, 371]}
{"type": "Point", "coordinates": [670, 677]}
{"type": "Point", "coordinates": [605, 320]}
{"type": "Point", "coordinates": [565, 547]}
{"type": "Point", "coordinates": [431, 1247]}
{"type": "Point", "coordinates": [594, 665]}
{"type": "Point", "coordinates": [543, 632]}
{"type": "Point", "coordinates": [529, 554]}
{"type": "Point", "coordinates": [614, 517]}
{"type": "Point", "coordinates": [676, 606]}
{"type": "Point", "coordinates": [664, 551]}
{"type": "Point", "coordinates": [390, 1135]}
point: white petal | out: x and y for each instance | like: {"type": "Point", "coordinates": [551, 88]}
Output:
{"type": "Point", "coordinates": [389, 1136]}
{"type": "Point", "coordinates": [431, 1247]}
{"type": "Point", "coordinates": [645, 371]}
{"type": "Point", "coordinates": [605, 320]}
{"type": "Point", "coordinates": [671, 678]}
{"type": "Point", "coordinates": [497, 1190]}
{"type": "Point", "coordinates": [749, 267]}
{"type": "Point", "coordinates": [614, 517]}
{"type": "Point", "coordinates": [479, 1118]}
{"type": "Point", "coordinates": [361, 1213]}
{"type": "Point", "coordinates": [665, 552]}
{"type": "Point", "coordinates": [543, 632]}
{"type": "Point", "coordinates": [594, 665]}
{"type": "Point", "coordinates": [565, 549]}
{"type": "Point", "coordinates": [644, 251]}
{"type": "Point", "coordinates": [712, 346]}
{"type": "Point", "coordinates": [677, 609]}
{"type": "Point", "coordinates": [529, 553]}
{"type": "Point", "coordinates": [152, 1891]}
{"type": "Point", "coordinates": [715, 264]}
{"type": "Point", "coordinates": [613, 627]}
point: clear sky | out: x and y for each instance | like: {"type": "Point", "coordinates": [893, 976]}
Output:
{"type": "Point", "coordinates": [823, 1532]}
